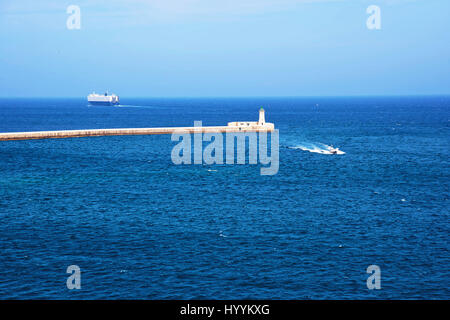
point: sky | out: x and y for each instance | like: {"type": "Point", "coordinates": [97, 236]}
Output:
{"type": "Point", "coordinates": [226, 48]}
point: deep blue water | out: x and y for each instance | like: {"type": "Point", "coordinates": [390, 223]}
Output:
{"type": "Point", "coordinates": [141, 227]}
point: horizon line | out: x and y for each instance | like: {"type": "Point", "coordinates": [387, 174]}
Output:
{"type": "Point", "coordinates": [243, 97]}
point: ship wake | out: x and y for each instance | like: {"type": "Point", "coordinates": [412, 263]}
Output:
{"type": "Point", "coordinates": [316, 148]}
{"type": "Point", "coordinates": [132, 106]}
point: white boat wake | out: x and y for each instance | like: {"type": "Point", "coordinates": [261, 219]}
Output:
{"type": "Point", "coordinates": [318, 148]}
{"type": "Point", "coordinates": [131, 106]}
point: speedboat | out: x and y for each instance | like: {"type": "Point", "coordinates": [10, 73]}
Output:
{"type": "Point", "coordinates": [333, 150]}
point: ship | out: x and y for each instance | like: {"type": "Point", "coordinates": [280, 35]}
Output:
{"type": "Point", "coordinates": [103, 99]}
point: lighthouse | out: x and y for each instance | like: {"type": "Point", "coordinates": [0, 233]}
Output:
{"type": "Point", "coordinates": [260, 124]}
{"type": "Point", "coordinates": [262, 118]}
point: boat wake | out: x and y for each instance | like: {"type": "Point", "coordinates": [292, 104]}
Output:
{"type": "Point", "coordinates": [131, 106]}
{"type": "Point", "coordinates": [318, 148]}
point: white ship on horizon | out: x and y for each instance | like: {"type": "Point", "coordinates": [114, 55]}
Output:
{"type": "Point", "coordinates": [103, 99]}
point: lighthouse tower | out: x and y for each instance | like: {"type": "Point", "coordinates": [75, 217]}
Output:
{"type": "Point", "coordinates": [262, 118]}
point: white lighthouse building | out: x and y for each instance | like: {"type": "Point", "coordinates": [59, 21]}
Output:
{"type": "Point", "coordinates": [262, 118]}
{"type": "Point", "coordinates": [254, 124]}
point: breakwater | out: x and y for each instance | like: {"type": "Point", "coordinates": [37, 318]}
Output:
{"type": "Point", "coordinates": [129, 131]}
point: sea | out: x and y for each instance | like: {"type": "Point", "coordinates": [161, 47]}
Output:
{"type": "Point", "coordinates": [138, 226]}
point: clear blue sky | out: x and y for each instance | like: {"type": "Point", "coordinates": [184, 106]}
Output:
{"type": "Point", "coordinates": [179, 48]}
